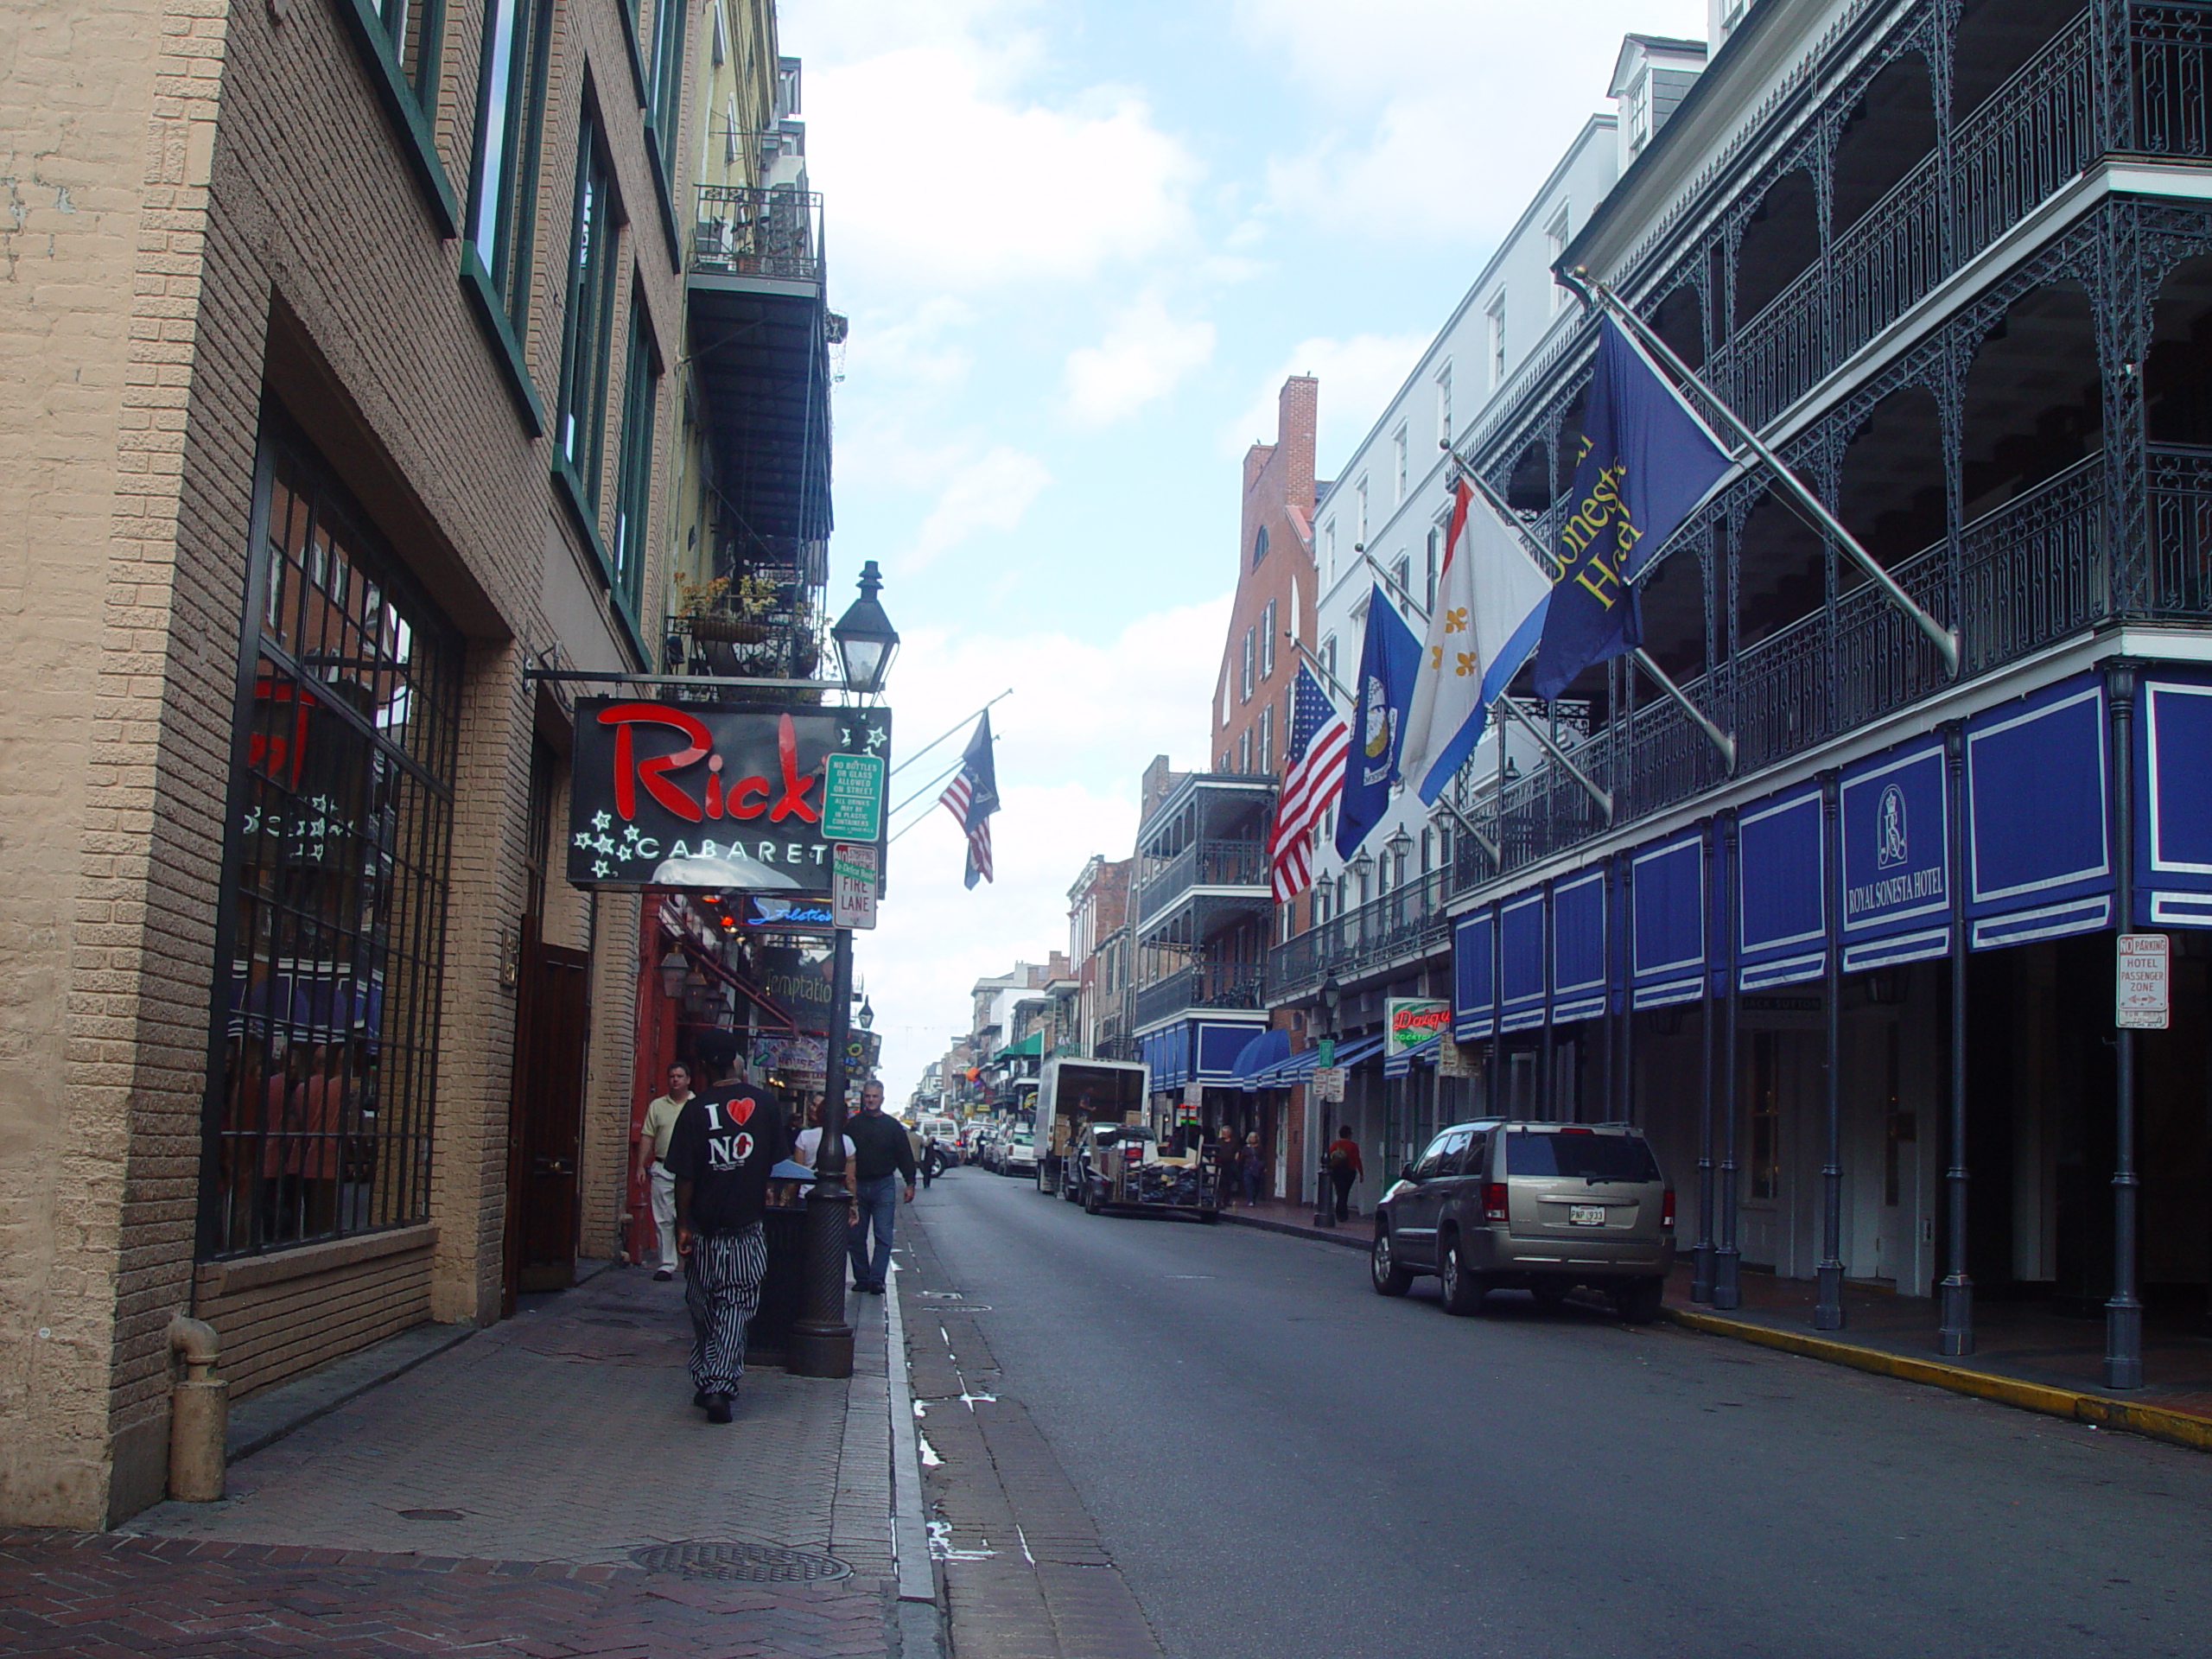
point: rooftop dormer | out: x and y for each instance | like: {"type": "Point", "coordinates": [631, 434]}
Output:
{"type": "Point", "coordinates": [1650, 77]}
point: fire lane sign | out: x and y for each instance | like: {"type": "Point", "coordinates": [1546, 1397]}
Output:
{"type": "Point", "coordinates": [2142, 993]}
{"type": "Point", "coordinates": [854, 868]}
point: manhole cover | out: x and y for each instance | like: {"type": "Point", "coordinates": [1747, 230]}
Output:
{"type": "Point", "coordinates": [746, 1563]}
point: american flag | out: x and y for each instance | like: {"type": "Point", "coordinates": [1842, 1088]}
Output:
{"type": "Point", "coordinates": [1313, 776]}
{"type": "Point", "coordinates": [972, 797]}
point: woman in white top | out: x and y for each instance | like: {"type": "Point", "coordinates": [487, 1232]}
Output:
{"type": "Point", "coordinates": [810, 1142]}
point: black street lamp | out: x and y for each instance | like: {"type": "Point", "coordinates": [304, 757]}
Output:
{"type": "Point", "coordinates": [1326, 1001]}
{"type": "Point", "coordinates": [865, 640]}
{"type": "Point", "coordinates": [822, 1342]}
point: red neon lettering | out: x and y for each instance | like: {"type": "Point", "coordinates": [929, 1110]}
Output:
{"type": "Point", "coordinates": [740, 806]}
{"type": "Point", "coordinates": [629, 771]}
{"type": "Point", "coordinates": [795, 787]}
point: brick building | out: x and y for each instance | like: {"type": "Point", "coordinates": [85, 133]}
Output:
{"type": "Point", "coordinates": [342, 350]}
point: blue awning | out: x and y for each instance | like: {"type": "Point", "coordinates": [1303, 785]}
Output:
{"type": "Point", "coordinates": [1424, 1053]}
{"type": "Point", "coordinates": [2039, 863]}
{"type": "Point", "coordinates": [1474, 975]}
{"type": "Point", "coordinates": [1894, 857]}
{"type": "Point", "coordinates": [1520, 976]}
{"type": "Point", "coordinates": [2173, 832]}
{"type": "Point", "coordinates": [1782, 924]}
{"type": "Point", "coordinates": [1269, 1048]}
{"type": "Point", "coordinates": [1579, 973]}
{"type": "Point", "coordinates": [1667, 922]}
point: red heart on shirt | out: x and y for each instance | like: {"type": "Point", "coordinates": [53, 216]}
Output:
{"type": "Point", "coordinates": [738, 1111]}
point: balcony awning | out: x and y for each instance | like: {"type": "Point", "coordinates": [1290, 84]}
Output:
{"type": "Point", "coordinates": [1029, 1047]}
{"type": "Point", "coordinates": [1397, 1066]}
{"type": "Point", "coordinates": [1271, 1047]}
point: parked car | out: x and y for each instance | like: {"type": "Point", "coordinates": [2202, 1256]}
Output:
{"type": "Point", "coordinates": [1546, 1207]}
{"type": "Point", "coordinates": [1018, 1156]}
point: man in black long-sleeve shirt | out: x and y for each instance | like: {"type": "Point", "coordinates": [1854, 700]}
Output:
{"type": "Point", "coordinates": [881, 1154]}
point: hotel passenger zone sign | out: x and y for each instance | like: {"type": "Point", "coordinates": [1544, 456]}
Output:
{"type": "Point", "coordinates": [2143, 998]}
{"type": "Point", "coordinates": [701, 796]}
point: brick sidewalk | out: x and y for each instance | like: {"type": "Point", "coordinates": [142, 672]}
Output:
{"type": "Point", "coordinates": [492, 1500]}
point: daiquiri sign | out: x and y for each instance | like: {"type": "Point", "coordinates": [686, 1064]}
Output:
{"type": "Point", "coordinates": [723, 800]}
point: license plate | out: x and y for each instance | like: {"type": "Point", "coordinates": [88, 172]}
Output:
{"type": "Point", "coordinates": [1586, 1215]}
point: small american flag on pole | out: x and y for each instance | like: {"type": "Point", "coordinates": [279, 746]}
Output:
{"type": "Point", "coordinates": [1312, 778]}
{"type": "Point", "coordinates": [972, 797]}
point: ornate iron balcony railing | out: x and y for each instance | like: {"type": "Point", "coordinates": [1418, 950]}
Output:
{"type": "Point", "coordinates": [1203, 864]}
{"type": "Point", "coordinates": [746, 230]}
{"type": "Point", "coordinates": [1207, 985]}
{"type": "Point", "coordinates": [2031, 573]}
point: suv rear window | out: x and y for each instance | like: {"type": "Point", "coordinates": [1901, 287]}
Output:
{"type": "Point", "coordinates": [1579, 1157]}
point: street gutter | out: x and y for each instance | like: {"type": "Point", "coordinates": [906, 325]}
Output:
{"type": "Point", "coordinates": [2078, 1405]}
{"type": "Point", "coordinates": [910, 1541]}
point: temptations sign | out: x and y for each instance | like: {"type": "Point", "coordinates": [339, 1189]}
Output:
{"type": "Point", "coordinates": [726, 799]}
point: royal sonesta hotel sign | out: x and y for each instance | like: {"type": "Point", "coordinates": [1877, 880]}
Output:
{"type": "Point", "coordinates": [728, 799]}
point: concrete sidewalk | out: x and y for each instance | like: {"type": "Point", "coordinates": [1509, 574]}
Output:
{"type": "Point", "coordinates": [542, 1488]}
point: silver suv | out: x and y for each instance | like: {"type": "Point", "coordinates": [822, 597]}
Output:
{"type": "Point", "coordinates": [1545, 1206]}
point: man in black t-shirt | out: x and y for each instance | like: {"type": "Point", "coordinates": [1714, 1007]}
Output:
{"type": "Point", "coordinates": [726, 1140]}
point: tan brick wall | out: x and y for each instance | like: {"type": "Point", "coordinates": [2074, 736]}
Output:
{"type": "Point", "coordinates": [279, 1314]}
{"type": "Point", "coordinates": [162, 264]}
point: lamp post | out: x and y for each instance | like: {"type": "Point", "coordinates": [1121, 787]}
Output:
{"type": "Point", "coordinates": [822, 1342]}
{"type": "Point", "coordinates": [1325, 1002]}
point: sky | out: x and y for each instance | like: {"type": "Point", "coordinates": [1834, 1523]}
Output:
{"type": "Point", "coordinates": [1081, 243]}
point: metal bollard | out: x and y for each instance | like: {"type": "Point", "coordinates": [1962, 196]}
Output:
{"type": "Point", "coordinates": [200, 1413]}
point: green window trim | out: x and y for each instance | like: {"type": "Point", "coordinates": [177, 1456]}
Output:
{"type": "Point", "coordinates": [409, 101]}
{"type": "Point", "coordinates": [662, 197]}
{"type": "Point", "coordinates": [633, 485]}
{"type": "Point", "coordinates": [506, 350]}
{"type": "Point", "coordinates": [587, 318]}
{"type": "Point", "coordinates": [501, 226]}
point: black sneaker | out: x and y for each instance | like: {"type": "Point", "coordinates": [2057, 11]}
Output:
{"type": "Point", "coordinates": [699, 1399]}
{"type": "Point", "coordinates": [718, 1407]}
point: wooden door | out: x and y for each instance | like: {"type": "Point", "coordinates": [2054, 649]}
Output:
{"type": "Point", "coordinates": [545, 1118]}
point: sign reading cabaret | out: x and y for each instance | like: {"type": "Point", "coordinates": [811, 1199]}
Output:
{"type": "Point", "coordinates": [726, 799]}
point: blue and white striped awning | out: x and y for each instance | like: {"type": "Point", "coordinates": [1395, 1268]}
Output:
{"type": "Point", "coordinates": [1397, 1066]}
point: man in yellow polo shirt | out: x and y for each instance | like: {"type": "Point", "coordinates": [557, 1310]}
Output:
{"type": "Point", "coordinates": [652, 1163]}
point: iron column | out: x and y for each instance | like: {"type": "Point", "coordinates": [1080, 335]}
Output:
{"type": "Point", "coordinates": [1727, 1287]}
{"type": "Point", "coordinates": [1828, 1306]}
{"type": "Point", "coordinates": [2124, 1313]}
{"type": "Point", "coordinates": [1956, 1335]}
{"type": "Point", "coordinates": [1702, 1258]}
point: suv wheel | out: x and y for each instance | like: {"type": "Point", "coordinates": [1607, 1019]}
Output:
{"type": "Point", "coordinates": [1638, 1301]}
{"type": "Point", "coordinates": [1463, 1291]}
{"type": "Point", "coordinates": [1382, 1269]}
{"type": "Point", "coordinates": [1090, 1205]}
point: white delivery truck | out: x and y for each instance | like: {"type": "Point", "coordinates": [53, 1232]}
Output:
{"type": "Point", "coordinates": [1074, 1092]}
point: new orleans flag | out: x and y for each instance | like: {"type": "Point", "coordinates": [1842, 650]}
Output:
{"type": "Point", "coordinates": [1490, 600]}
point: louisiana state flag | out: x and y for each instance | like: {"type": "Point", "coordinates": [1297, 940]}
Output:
{"type": "Point", "coordinates": [1646, 461]}
{"type": "Point", "coordinates": [1389, 658]}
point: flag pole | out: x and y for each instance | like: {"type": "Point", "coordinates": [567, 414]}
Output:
{"type": "Point", "coordinates": [1945, 640]}
{"type": "Point", "coordinates": [1468, 825]}
{"type": "Point", "coordinates": [958, 725]}
{"type": "Point", "coordinates": [1390, 582]}
{"type": "Point", "coordinates": [1603, 799]}
{"type": "Point", "coordinates": [1319, 667]}
{"type": "Point", "coordinates": [1721, 741]}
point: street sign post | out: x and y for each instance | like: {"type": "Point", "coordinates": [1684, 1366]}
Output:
{"type": "Point", "coordinates": [2143, 997]}
{"type": "Point", "coordinates": [852, 797]}
{"type": "Point", "coordinates": [1329, 1084]}
{"type": "Point", "coordinates": [854, 868]}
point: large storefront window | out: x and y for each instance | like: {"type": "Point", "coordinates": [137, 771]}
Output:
{"type": "Point", "coordinates": [334, 882]}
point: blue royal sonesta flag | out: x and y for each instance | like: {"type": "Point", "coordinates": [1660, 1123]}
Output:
{"type": "Point", "coordinates": [1389, 660]}
{"type": "Point", "coordinates": [1646, 461]}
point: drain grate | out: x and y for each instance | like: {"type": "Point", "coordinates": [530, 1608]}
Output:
{"type": "Point", "coordinates": [745, 1563]}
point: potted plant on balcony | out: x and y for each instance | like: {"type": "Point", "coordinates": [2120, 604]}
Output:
{"type": "Point", "coordinates": [733, 612]}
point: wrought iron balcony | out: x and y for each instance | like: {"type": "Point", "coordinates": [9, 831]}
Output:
{"type": "Point", "coordinates": [1204, 985]}
{"type": "Point", "coordinates": [1232, 869]}
{"type": "Point", "coordinates": [1402, 925]}
{"type": "Point", "coordinates": [2034, 572]}
{"type": "Point", "coordinates": [774, 232]}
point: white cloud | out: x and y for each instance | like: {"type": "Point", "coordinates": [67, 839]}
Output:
{"type": "Point", "coordinates": [1144, 353]}
{"type": "Point", "coordinates": [989, 493]}
{"type": "Point", "coordinates": [937, 178]}
{"type": "Point", "coordinates": [1086, 716]}
{"type": "Point", "coordinates": [1440, 117]}
{"type": "Point", "coordinates": [1358, 376]}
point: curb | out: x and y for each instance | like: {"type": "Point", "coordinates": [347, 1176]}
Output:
{"type": "Point", "coordinates": [1292, 1229]}
{"type": "Point", "coordinates": [909, 1520]}
{"type": "Point", "coordinates": [2077, 1405]}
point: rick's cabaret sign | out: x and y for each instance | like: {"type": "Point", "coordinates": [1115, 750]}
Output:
{"type": "Point", "coordinates": [730, 799]}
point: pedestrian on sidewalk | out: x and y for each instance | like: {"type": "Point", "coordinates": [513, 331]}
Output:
{"type": "Point", "coordinates": [1345, 1168]}
{"type": "Point", "coordinates": [810, 1142]}
{"type": "Point", "coordinates": [931, 1156]}
{"type": "Point", "coordinates": [882, 1154]}
{"type": "Point", "coordinates": [652, 1164]}
{"type": "Point", "coordinates": [1252, 1170]}
{"type": "Point", "coordinates": [726, 1141]}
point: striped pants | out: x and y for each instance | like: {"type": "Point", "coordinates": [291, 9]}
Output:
{"type": "Point", "coordinates": [721, 1289]}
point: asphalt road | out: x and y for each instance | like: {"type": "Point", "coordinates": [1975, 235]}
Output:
{"type": "Point", "coordinates": [1281, 1463]}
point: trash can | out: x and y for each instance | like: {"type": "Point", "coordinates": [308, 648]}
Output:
{"type": "Point", "coordinates": [782, 1286]}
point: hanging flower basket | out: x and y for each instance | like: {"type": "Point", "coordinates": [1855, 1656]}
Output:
{"type": "Point", "coordinates": [730, 630]}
